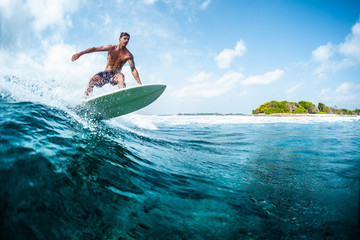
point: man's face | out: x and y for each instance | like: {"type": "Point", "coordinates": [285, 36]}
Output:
{"type": "Point", "coordinates": [124, 40]}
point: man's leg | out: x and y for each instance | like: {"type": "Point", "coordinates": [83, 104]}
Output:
{"type": "Point", "coordinates": [95, 80]}
{"type": "Point", "coordinates": [120, 80]}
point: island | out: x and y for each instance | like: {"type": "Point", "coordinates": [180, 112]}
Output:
{"type": "Point", "coordinates": [302, 107]}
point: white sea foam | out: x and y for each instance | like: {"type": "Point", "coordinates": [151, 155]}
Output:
{"type": "Point", "coordinates": [151, 121]}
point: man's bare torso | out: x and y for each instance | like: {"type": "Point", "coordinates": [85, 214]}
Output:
{"type": "Point", "coordinates": [117, 57]}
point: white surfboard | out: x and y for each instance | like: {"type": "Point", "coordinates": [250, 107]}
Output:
{"type": "Point", "coordinates": [121, 102]}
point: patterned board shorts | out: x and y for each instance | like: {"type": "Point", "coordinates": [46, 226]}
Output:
{"type": "Point", "coordinates": [106, 77]}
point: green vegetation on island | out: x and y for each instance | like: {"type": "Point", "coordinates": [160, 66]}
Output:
{"type": "Point", "coordinates": [302, 107]}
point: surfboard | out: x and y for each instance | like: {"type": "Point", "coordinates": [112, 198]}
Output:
{"type": "Point", "coordinates": [121, 102]}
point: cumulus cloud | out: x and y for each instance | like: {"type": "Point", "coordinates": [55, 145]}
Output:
{"type": "Point", "coordinates": [52, 58]}
{"type": "Point", "coordinates": [26, 18]}
{"type": "Point", "coordinates": [51, 13]}
{"type": "Point", "coordinates": [346, 92]}
{"type": "Point", "coordinates": [351, 47]}
{"type": "Point", "coordinates": [333, 57]}
{"type": "Point", "coordinates": [264, 79]}
{"type": "Point", "coordinates": [54, 63]}
{"type": "Point", "coordinates": [202, 85]}
{"type": "Point", "coordinates": [13, 18]}
{"type": "Point", "coordinates": [225, 58]}
{"type": "Point", "coordinates": [323, 53]}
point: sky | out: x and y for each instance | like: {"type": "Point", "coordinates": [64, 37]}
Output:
{"type": "Point", "coordinates": [214, 56]}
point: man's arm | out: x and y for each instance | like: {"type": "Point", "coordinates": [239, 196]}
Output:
{"type": "Point", "coordinates": [134, 70]}
{"type": "Point", "coordinates": [90, 50]}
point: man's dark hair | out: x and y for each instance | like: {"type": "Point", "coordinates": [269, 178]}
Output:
{"type": "Point", "coordinates": [124, 34]}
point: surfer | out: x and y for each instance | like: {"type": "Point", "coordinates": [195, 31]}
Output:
{"type": "Point", "coordinates": [117, 56]}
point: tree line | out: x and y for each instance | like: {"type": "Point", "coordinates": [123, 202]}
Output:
{"type": "Point", "coordinates": [302, 107]}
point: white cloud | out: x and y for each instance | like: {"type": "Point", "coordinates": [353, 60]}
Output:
{"type": "Point", "coordinates": [200, 77]}
{"type": "Point", "coordinates": [8, 7]}
{"type": "Point", "coordinates": [23, 19]}
{"type": "Point", "coordinates": [229, 80]}
{"type": "Point", "coordinates": [50, 77]}
{"type": "Point", "coordinates": [149, 1]}
{"type": "Point", "coordinates": [293, 89]}
{"type": "Point", "coordinates": [54, 63]}
{"type": "Point", "coordinates": [351, 47]}
{"type": "Point", "coordinates": [13, 22]}
{"type": "Point", "coordinates": [345, 93]}
{"type": "Point", "coordinates": [225, 58]}
{"type": "Point", "coordinates": [57, 62]}
{"type": "Point", "coordinates": [266, 78]}
{"type": "Point", "coordinates": [205, 4]}
{"type": "Point", "coordinates": [203, 85]}
{"type": "Point", "coordinates": [323, 53]}
{"type": "Point", "coordinates": [335, 57]}
{"type": "Point", "coordinates": [51, 14]}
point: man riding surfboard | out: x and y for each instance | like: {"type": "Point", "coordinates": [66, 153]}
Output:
{"type": "Point", "coordinates": [118, 55]}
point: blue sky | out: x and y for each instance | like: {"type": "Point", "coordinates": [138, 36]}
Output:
{"type": "Point", "coordinates": [214, 56]}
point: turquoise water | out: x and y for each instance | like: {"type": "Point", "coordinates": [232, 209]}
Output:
{"type": "Point", "coordinates": [176, 177]}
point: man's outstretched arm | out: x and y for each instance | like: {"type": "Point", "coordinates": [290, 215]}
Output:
{"type": "Point", "coordinates": [90, 50]}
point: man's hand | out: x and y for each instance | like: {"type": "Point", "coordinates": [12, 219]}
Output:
{"type": "Point", "coordinates": [75, 57]}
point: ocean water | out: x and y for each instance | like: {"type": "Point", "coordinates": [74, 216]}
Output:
{"type": "Point", "coordinates": [64, 176]}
